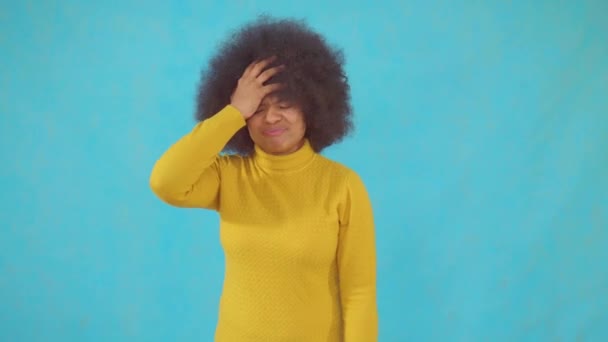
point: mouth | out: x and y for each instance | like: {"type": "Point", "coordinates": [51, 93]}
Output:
{"type": "Point", "coordinates": [273, 132]}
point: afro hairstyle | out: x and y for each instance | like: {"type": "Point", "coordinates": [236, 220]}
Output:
{"type": "Point", "coordinates": [314, 78]}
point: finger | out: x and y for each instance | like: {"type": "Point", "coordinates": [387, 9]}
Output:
{"type": "Point", "coordinates": [257, 69]}
{"type": "Point", "coordinates": [267, 74]}
{"type": "Point", "coordinates": [249, 68]}
{"type": "Point", "coordinates": [272, 88]}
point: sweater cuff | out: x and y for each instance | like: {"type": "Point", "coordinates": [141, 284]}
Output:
{"type": "Point", "coordinates": [233, 116]}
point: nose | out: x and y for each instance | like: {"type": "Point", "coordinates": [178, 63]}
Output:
{"type": "Point", "coordinates": [272, 115]}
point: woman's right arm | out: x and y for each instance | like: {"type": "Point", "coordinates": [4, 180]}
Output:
{"type": "Point", "coordinates": [187, 174]}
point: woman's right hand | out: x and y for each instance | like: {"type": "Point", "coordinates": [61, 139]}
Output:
{"type": "Point", "coordinates": [250, 89]}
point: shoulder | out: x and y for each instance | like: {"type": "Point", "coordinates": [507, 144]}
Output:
{"type": "Point", "coordinates": [230, 160]}
{"type": "Point", "coordinates": [231, 164]}
{"type": "Point", "coordinates": [349, 189]}
{"type": "Point", "coordinates": [340, 172]}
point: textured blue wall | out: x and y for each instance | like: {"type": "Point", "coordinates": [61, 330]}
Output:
{"type": "Point", "coordinates": [482, 136]}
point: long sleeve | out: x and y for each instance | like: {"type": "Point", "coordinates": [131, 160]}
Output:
{"type": "Point", "coordinates": [357, 264]}
{"type": "Point", "coordinates": [187, 174]}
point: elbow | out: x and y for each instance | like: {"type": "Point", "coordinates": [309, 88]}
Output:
{"type": "Point", "coordinates": [156, 185]}
{"type": "Point", "coordinates": [162, 189]}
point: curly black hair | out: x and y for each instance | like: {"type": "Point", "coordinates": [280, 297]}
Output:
{"type": "Point", "coordinates": [314, 78]}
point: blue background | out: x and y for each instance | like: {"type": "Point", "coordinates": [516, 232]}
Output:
{"type": "Point", "coordinates": [482, 136]}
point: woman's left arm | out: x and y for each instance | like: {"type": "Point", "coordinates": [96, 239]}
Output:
{"type": "Point", "coordinates": [356, 259]}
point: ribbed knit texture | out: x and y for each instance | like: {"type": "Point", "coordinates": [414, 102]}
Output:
{"type": "Point", "coordinates": [297, 232]}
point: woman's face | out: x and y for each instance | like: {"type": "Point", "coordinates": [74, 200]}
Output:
{"type": "Point", "coordinates": [277, 127]}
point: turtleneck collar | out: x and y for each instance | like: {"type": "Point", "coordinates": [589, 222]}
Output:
{"type": "Point", "coordinates": [288, 162]}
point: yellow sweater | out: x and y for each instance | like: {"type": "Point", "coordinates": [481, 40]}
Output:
{"type": "Point", "coordinates": [297, 232]}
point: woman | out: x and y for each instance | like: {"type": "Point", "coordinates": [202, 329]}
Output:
{"type": "Point", "coordinates": [296, 228]}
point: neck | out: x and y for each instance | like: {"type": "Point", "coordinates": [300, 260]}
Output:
{"type": "Point", "coordinates": [290, 161]}
{"type": "Point", "coordinates": [295, 149]}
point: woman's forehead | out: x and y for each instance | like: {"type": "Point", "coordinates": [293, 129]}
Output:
{"type": "Point", "coordinates": [274, 99]}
